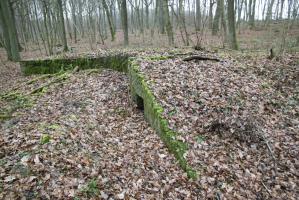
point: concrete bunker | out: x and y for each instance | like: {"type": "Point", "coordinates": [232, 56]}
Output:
{"type": "Point", "coordinates": [140, 103]}
{"type": "Point", "coordinates": [139, 91]}
{"type": "Point", "coordinates": [117, 62]}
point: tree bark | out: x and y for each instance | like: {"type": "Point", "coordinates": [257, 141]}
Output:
{"type": "Point", "coordinates": [198, 15]}
{"type": "Point", "coordinates": [269, 12]}
{"type": "Point", "coordinates": [10, 34]}
{"type": "Point", "coordinates": [217, 18]}
{"type": "Point", "coordinates": [252, 14]}
{"type": "Point", "coordinates": [231, 24]}
{"type": "Point", "coordinates": [168, 23]}
{"type": "Point", "coordinates": [74, 18]}
{"type": "Point", "coordinates": [62, 25]}
{"type": "Point", "coordinates": [125, 21]}
{"type": "Point", "coordinates": [281, 8]}
{"type": "Point", "coordinates": [109, 18]}
{"type": "Point", "coordinates": [212, 2]}
{"type": "Point", "coordinates": [182, 21]}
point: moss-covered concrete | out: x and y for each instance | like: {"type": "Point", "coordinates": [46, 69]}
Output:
{"type": "Point", "coordinates": [51, 66]}
{"type": "Point", "coordinates": [153, 113]}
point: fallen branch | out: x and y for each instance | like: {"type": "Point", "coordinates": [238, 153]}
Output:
{"type": "Point", "coordinates": [268, 146]}
{"type": "Point", "coordinates": [42, 77]}
{"type": "Point", "coordinates": [60, 78]}
{"type": "Point", "coordinates": [91, 71]}
{"type": "Point", "coordinates": [56, 80]}
{"type": "Point", "coordinates": [197, 57]}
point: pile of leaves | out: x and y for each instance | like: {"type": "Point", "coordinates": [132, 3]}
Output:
{"type": "Point", "coordinates": [83, 139]}
{"type": "Point", "coordinates": [242, 131]}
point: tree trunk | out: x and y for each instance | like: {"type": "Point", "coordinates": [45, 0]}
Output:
{"type": "Point", "coordinates": [252, 14]}
{"type": "Point", "coordinates": [125, 21]}
{"type": "Point", "coordinates": [182, 21]}
{"type": "Point", "coordinates": [217, 18]}
{"type": "Point", "coordinates": [109, 18]}
{"type": "Point", "coordinates": [161, 16]}
{"type": "Point", "coordinates": [231, 24]}
{"type": "Point", "coordinates": [10, 34]}
{"type": "Point", "coordinates": [100, 23]}
{"type": "Point", "coordinates": [80, 5]}
{"type": "Point", "coordinates": [281, 9]}
{"type": "Point", "coordinates": [62, 26]}
{"type": "Point", "coordinates": [240, 6]}
{"type": "Point", "coordinates": [211, 14]}
{"type": "Point", "coordinates": [198, 15]}
{"type": "Point", "coordinates": [74, 19]}
{"type": "Point", "coordinates": [69, 30]}
{"type": "Point", "coordinates": [46, 18]}
{"type": "Point", "coordinates": [269, 12]}
{"type": "Point", "coordinates": [223, 19]}
{"type": "Point", "coordinates": [290, 3]}
{"type": "Point", "coordinates": [147, 14]}
{"type": "Point", "coordinates": [168, 23]}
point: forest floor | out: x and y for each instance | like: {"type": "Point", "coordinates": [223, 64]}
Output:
{"type": "Point", "coordinates": [82, 138]}
{"type": "Point", "coordinates": [239, 117]}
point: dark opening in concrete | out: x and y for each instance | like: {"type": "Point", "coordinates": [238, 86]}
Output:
{"type": "Point", "coordinates": [140, 104]}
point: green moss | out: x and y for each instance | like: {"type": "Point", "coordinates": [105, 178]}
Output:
{"type": "Point", "coordinates": [48, 66]}
{"type": "Point", "coordinates": [45, 138]}
{"type": "Point", "coordinates": [200, 139]}
{"type": "Point", "coordinates": [45, 76]}
{"type": "Point", "coordinates": [157, 58]}
{"type": "Point", "coordinates": [13, 101]}
{"type": "Point", "coordinates": [265, 85]}
{"type": "Point", "coordinates": [4, 117]}
{"type": "Point", "coordinates": [91, 189]}
{"type": "Point", "coordinates": [54, 127]}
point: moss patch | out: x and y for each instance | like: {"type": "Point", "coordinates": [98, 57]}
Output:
{"type": "Point", "coordinates": [45, 138]}
{"type": "Point", "coordinates": [13, 101]}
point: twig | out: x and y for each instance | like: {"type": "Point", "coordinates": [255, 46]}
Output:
{"type": "Point", "coordinates": [268, 146]}
{"type": "Point", "coordinates": [269, 191]}
{"type": "Point", "coordinates": [76, 69]}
